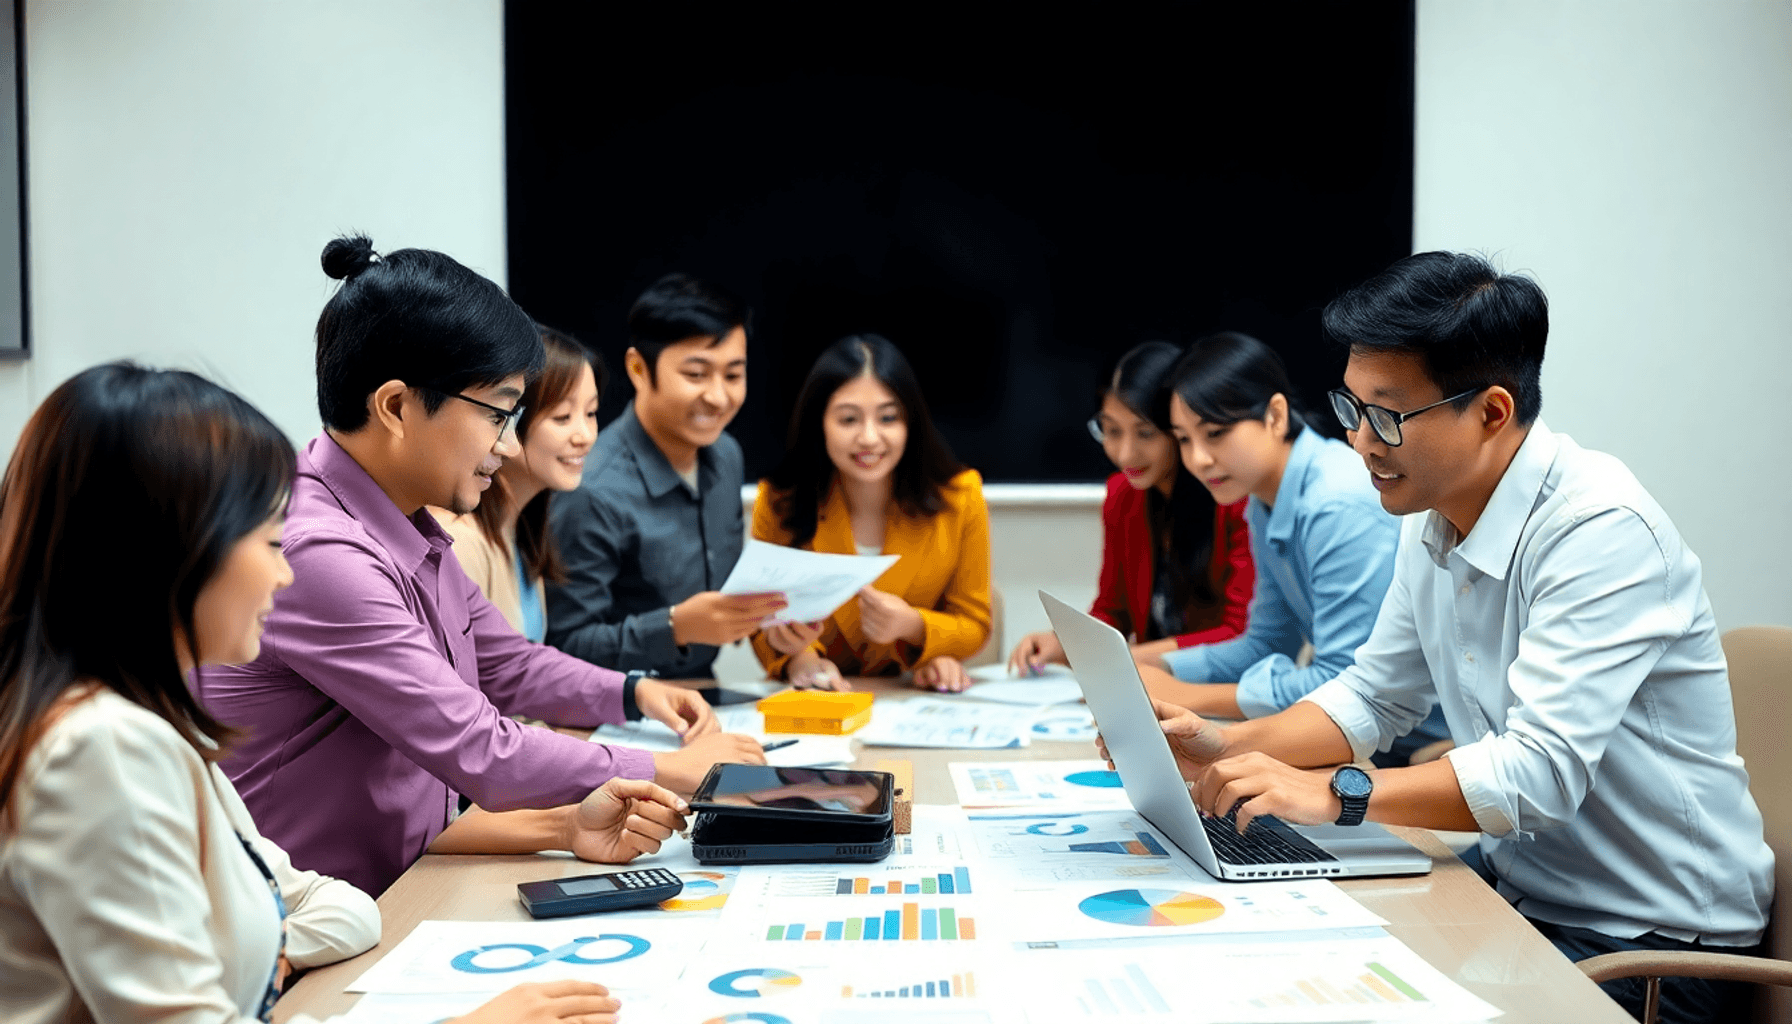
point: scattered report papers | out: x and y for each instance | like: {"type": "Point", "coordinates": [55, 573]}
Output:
{"type": "Point", "coordinates": [1245, 981]}
{"type": "Point", "coordinates": [809, 749]}
{"type": "Point", "coordinates": [1159, 910]}
{"type": "Point", "coordinates": [1045, 848]}
{"type": "Point", "coordinates": [490, 956]}
{"type": "Point", "coordinates": [993, 683]}
{"type": "Point", "coordinates": [813, 583]}
{"type": "Point", "coordinates": [937, 722]}
{"type": "Point", "coordinates": [1037, 784]}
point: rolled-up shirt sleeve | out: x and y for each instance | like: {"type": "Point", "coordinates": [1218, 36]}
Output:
{"type": "Point", "coordinates": [1594, 615]}
{"type": "Point", "coordinates": [346, 629]}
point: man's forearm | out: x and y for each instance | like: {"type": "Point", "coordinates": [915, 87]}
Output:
{"type": "Point", "coordinates": [1425, 795]}
{"type": "Point", "coordinates": [482, 831]}
{"type": "Point", "coordinates": [1303, 735]}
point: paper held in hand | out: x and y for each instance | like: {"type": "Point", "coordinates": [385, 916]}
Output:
{"type": "Point", "coordinates": [812, 582]}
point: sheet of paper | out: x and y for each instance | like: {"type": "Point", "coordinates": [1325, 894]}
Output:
{"type": "Point", "coordinates": [809, 749]}
{"type": "Point", "coordinates": [1037, 784]}
{"type": "Point", "coordinates": [931, 983]}
{"type": "Point", "coordinates": [813, 583]}
{"type": "Point", "coordinates": [490, 956]}
{"type": "Point", "coordinates": [1151, 909]}
{"type": "Point", "coordinates": [1046, 848]}
{"type": "Point", "coordinates": [937, 722]}
{"type": "Point", "coordinates": [1245, 981]}
{"type": "Point", "coordinates": [1055, 686]}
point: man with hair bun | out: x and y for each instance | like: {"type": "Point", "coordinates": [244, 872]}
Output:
{"type": "Point", "coordinates": [386, 678]}
{"type": "Point", "coordinates": [1545, 601]}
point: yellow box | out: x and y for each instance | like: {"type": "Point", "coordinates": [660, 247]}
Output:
{"type": "Point", "coordinates": [816, 711]}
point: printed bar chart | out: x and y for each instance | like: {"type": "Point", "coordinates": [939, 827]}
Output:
{"type": "Point", "coordinates": [1379, 986]}
{"type": "Point", "coordinates": [1146, 845]}
{"type": "Point", "coordinates": [958, 986]}
{"type": "Point", "coordinates": [1132, 995]}
{"type": "Point", "coordinates": [946, 883]}
{"type": "Point", "coordinates": [913, 923]}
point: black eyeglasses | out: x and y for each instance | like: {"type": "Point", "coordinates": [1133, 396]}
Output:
{"type": "Point", "coordinates": [1386, 422]}
{"type": "Point", "coordinates": [506, 425]}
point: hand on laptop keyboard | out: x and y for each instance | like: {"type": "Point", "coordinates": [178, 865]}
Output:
{"type": "Point", "coordinates": [1255, 783]}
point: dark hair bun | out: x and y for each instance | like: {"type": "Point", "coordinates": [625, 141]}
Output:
{"type": "Point", "coordinates": [344, 258]}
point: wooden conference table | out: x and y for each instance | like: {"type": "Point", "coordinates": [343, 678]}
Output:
{"type": "Point", "coordinates": [1449, 917]}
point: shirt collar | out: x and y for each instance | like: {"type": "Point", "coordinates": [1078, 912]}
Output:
{"type": "Point", "coordinates": [1492, 544]}
{"type": "Point", "coordinates": [408, 540]}
{"type": "Point", "coordinates": [1307, 445]}
{"type": "Point", "coordinates": [657, 474]}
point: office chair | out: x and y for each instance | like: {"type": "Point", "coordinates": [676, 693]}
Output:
{"type": "Point", "coordinates": [1760, 660]}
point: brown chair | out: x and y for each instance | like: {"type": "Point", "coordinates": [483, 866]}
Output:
{"type": "Point", "coordinates": [1760, 660]}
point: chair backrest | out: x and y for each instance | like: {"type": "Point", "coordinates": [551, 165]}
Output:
{"type": "Point", "coordinates": [1760, 660]}
{"type": "Point", "coordinates": [994, 651]}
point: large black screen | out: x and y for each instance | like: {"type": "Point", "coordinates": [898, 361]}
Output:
{"type": "Point", "coordinates": [1012, 202]}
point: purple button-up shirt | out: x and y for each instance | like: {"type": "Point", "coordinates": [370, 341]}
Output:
{"type": "Point", "coordinates": [382, 688]}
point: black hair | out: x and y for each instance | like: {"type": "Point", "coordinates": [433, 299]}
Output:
{"type": "Point", "coordinates": [679, 307]}
{"type": "Point", "coordinates": [417, 316]}
{"type": "Point", "coordinates": [1470, 325]}
{"type": "Point", "coordinates": [1183, 522]}
{"type": "Point", "coordinates": [565, 356]}
{"type": "Point", "coordinates": [195, 468]}
{"type": "Point", "coordinates": [1230, 377]}
{"type": "Point", "coordinates": [802, 479]}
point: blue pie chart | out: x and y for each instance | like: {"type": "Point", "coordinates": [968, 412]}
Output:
{"type": "Point", "coordinates": [758, 979]}
{"type": "Point", "coordinates": [1097, 780]}
{"type": "Point", "coordinates": [750, 1017]}
{"type": "Point", "coordinates": [1057, 828]}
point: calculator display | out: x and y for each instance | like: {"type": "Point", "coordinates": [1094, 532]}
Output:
{"type": "Point", "coordinates": [587, 886]}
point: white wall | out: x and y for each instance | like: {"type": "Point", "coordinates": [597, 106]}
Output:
{"type": "Point", "coordinates": [188, 161]}
{"type": "Point", "coordinates": [1637, 159]}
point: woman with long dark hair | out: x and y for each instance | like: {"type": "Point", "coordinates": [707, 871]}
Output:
{"type": "Point", "coordinates": [1175, 567]}
{"type": "Point", "coordinates": [504, 545]}
{"type": "Point", "coordinates": [140, 527]}
{"type": "Point", "coordinates": [1323, 546]}
{"type": "Point", "coordinates": [866, 472]}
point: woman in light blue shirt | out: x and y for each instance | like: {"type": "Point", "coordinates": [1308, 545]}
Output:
{"type": "Point", "coordinates": [1323, 546]}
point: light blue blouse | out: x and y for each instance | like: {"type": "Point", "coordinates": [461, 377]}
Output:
{"type": "Point", "coordinates": [535, 618]}
{"type": "Point", "coordinates": [1325, 557]}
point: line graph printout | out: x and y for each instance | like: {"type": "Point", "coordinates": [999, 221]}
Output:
{"type": "Point", "coordinates": [1300, 982]}
{"type": "Point", "coordinates": [1037, 784]}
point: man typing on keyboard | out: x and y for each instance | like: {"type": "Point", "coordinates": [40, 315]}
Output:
{"type": "Point", "coordinates": [1546, 602]}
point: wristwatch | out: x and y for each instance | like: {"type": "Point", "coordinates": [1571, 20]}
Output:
{"type": "Point", "coordinates": [631, 711]}
{"type": "Point", "coordinates": [1352, 787]}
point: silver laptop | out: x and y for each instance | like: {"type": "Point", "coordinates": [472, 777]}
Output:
{"type": "Point", "coordinates": [1270, 848]}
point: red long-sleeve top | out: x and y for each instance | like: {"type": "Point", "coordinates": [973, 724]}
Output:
{"type": "Point", "coordinates": [1128, 565]}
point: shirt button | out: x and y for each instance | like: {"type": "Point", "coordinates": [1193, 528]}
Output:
{"type": "Point", "coordinates": [1466, 588]}
{"type": "Point", "coordinates": [1468, 657]}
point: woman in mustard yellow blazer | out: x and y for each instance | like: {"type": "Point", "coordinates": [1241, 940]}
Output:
{"type": "Point", "coordinates": [866, 473]}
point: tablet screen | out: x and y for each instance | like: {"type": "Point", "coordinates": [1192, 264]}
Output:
{"type": "Point", "coordinates": [809, 791]}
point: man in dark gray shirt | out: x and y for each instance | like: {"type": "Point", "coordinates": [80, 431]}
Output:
{"type": "Point", "coordinates": [655, 525]}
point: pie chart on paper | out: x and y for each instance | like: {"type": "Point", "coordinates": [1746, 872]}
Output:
{"type": "Point", "coordinates": [702, 891]}
{"type": "Point", "coordinates": [1151, 908]}
{"type": "Point", "coordinates": [753, 982]}
{"type": "Point", "coordinates": [1094, 780]}
{"type": "Point", "coordinates": [750, 1017]}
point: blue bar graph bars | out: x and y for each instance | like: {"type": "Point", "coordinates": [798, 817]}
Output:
{"type": "Point", "coordinates": [945, 883]}
{"type": "Point", "coordinates": [911, 923]}
{"type": "Point", "coordinates": [958, 986]}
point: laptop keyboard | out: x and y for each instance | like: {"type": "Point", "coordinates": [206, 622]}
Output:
{"type": "Point", "coordinates": [1266, 841]}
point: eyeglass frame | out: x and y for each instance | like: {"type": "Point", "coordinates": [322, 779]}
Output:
{"type": "Point", "coordinates": [1362, 408]}
{"type": "Point", "coordinates": [1095, 430]}
{"type": "Point", "coordinates": [512, 416]}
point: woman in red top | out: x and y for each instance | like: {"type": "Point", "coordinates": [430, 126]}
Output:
{"type": "Point", "coordinates": [1175, 570]}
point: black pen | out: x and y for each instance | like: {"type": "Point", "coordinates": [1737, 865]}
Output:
{"type": "Point", "coordinates": [780, 745]}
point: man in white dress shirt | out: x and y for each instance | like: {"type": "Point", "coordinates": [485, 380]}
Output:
{"type": "Point", "coordinates": [1546, 602]}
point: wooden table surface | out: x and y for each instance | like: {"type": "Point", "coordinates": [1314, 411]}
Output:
{"type": "Point", "coordinates": [1449, 917]}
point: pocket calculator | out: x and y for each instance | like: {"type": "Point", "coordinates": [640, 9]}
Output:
{"type": "Point", "coordinates": [589, 894]}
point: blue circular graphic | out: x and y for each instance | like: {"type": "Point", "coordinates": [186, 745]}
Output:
{"type": "Point", "coordinates": [1056, 828]}
{"type": "Point", "coordinates": [768, 977]}
{"type": "Point", "coordinates": [1098, 780]}
{"type": "Point", "coordinates": [467, 962]}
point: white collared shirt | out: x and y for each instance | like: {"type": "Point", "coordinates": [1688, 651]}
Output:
{"type": "Point", "coordinates": [1571, 646]}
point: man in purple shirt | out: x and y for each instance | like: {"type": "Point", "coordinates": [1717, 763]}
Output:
{"type": "Point", "coordinates": [385, 676]}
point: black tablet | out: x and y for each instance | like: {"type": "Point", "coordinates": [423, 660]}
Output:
{"type": "Point", "coordinates": [812, 794]}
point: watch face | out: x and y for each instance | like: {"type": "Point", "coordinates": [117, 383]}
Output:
{"type": "Point", "coordinates": [1351, 782]}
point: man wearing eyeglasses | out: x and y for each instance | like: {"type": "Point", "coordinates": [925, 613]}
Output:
{"type": "Point", "coordinates": [1547, 603]}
